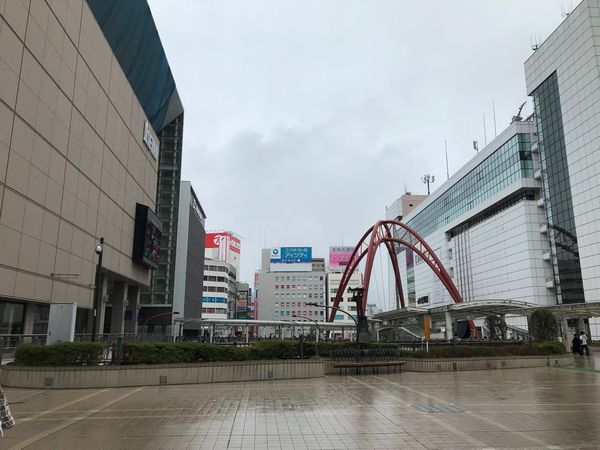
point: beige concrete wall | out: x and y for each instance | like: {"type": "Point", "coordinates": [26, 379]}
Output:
{"type": "Point", "coordinates": [458, 364]}
{"type": "Point", "coordinates": [153, 375]}
{"type": "Point", "coordinates": [72, 160]}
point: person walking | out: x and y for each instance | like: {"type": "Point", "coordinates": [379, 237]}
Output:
{"type": "Point", "coordinates": [584, 343]}
{"type": "Point", "coordinates": [6, 418]}
{"type": "Point", "coordinates": [576, 345]}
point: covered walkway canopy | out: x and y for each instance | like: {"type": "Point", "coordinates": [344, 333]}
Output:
{"type": "Point", "coordinates": [277, 325]}
{"type": "Point", "coordinates": [444, 315]}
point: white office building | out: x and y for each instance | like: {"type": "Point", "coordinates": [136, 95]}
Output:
{"type": "Point", "coordinates": [219, 290]}
{"type": "Point", "coordinates": [521, 220]}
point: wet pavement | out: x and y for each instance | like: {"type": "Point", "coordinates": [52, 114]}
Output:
{"type": "Point", "coordinates": [516, 408]}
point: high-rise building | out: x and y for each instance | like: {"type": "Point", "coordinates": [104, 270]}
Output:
{"type": "Point", "coordinates": [189, 264]}
{"type": "Point", "coordinates": [81, 119]}
{"type": "Point", "coordinates": [562, 77]}
{"type": "Point", "coordinates": [396, 211]}
{"type": "Point", "coordinates": [289, 279]}
{"type": "Point", "coordinates": [220, 290]}
{"type": "Point", "coordinates": [339, 258]}
{"type": "Point", "coordinates": [485, 225]}
{"type": "Point", "coordinates": [225, 246]}
{"type": "Point", "coordinates": [244, 302]}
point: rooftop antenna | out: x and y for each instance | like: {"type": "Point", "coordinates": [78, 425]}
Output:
{"type": "Point", "coordinates": [484, 131]}
{"type": "Point", "coordinates": [428, 179]}
{"type": "Point", "coordinates": [566, 8]}
{"type": "Point", "coordinates": [534, 42]}
{"type": "Point", "coordinates": [476, 146]}
{"type": "Point", "coordinates": [447, 171]}
{"type": "Point", "coordinates": [405, 189]}
{"type": "Point", "coordinates": [517, 117]}
{"type": "Point", "coordinates": [494, 109]}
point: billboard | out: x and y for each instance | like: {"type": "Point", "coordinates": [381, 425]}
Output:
{"type": "Point", "coordinates": [146, 238]}
{"type": "Point", "coordinates": [223, 246]}
{"type": "Point", "coordinates": [339, 257]}
{"type": "Point", "coordinates": [291, 255]}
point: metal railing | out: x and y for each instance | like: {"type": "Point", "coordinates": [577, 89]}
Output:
{"type": "Point", "coordinates": [9, 342]}
{"type": "Point", "coordinates": [127, 337]}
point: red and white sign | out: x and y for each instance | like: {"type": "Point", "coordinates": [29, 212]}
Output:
{"type": "Point", "coordinates": [223, 246]}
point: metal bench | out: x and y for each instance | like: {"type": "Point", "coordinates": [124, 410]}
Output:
{"type": "Point", "coordinates": [362, 358]}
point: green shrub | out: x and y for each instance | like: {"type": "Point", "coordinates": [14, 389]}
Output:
{"type": "Point", "coordinates": [275, 349]}
{"type": "Point", "coordinates": [63, 354]}
{"type": "Point", "coordinates": [181, 352]}
{"type": "Point", "coordinates": [542, 325]}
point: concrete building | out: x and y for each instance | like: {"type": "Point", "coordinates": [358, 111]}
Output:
{"type": "Point", "coordinates": [189, 264]}
{"type": "Point", "coordinates": [289, 279]}
{"type": "Point", "coordinates": [339, 258]}
{"type": "Point", "coordinates": [244, 310]}
{"type": "Point", "coordinates": [396, 211]}
{"type": "Point", "coordinates": [486, 225]}
{"type": "Point", "coordinates": [563, 79]}
{"type": "Point", "coordinates": [80, 126]}
{"type": "Point", "coordinates": [220, 290]}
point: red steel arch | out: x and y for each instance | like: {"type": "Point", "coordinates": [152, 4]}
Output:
{"type": "Point", "coordinates": [391, 233]}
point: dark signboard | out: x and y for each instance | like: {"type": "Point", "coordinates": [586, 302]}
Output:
{"type": "Point", "coordinates": [146, 238]}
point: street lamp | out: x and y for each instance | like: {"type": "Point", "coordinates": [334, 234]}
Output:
{"type": "Point", "coordinates": [99, 251]}
{"type": "Point", "coordinates": [342, 311]}
{"type": "Point", "coordinates": [161, 314]}
{"type": "Point", "coordinates": [316, 334]}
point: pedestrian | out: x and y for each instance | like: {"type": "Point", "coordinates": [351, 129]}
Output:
{"type": "Point", "coordinates": [6, 419]}
{"type": "Point", "coordinates": [576, 345]}
{"type": "Point", "coordinates": [584, 343]}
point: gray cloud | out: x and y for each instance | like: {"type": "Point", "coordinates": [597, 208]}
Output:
{"type": "Point", "coordinates": [305, 119]}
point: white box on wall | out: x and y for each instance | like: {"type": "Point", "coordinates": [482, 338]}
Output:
{"type": "Point", "coordinates": [61, 322]}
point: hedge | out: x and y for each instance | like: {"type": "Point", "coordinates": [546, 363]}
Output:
{"type": "Point", "coordinates": [84, 353]}
{"type": "Point", "coordinates": [63, 354]}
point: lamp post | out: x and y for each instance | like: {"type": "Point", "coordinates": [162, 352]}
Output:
{"type": "Point", "coordinates": [316, 333]}
{"type": "Point", "coordinates": [342, 311]}
{"type": "Point", "coordinates": [97, 289]}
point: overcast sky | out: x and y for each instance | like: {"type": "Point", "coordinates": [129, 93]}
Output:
{"type": "Point", "coordinates": [304, 119]}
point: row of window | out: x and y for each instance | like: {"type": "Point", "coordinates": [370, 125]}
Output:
{"type": "Point", "coordinates": [289, 313]}
{"type": "Point", "coordinates": [291, 304]}
{"type": "Point", "coordinates": [507, 164]}
{"type": "Point", "coordinates": [298, 278]}
{"type": "Point", "coordinates": [214, 311]}
{"type": "Point", "coordinates": [314, 287]}
{"type": "Point", "coordinates": [292, 295]}
{"type": "Point", "coordinates": [211, 268]}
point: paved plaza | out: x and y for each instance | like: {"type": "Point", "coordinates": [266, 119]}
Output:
{"type": "Point", "coordinates": [517, 408]}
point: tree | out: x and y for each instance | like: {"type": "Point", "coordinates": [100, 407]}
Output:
{"type": "Point", "coordinates": [496, 327]}
{"type": "Point", "coordinates": [542, 325]}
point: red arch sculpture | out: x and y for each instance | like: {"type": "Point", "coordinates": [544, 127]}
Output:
{"type": "Point", "coordinates": [391, 233]}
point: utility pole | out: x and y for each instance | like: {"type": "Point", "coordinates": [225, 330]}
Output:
{"type": "Point", "coordinates": [428, 179]}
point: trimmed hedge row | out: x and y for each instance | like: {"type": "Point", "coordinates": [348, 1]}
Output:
{"type": "Point", "coordinates": [86, 353]}
{"type": "Point", "coordinates": [63, 354]}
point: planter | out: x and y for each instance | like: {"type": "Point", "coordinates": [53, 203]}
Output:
{"type": "Point", "coordinates": [155, 375]}
{"type": "Point", "coordinates": [484, 363]}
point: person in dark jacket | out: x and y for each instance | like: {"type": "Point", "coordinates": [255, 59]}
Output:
{"type": "Point", "coordinates": [576, 345]}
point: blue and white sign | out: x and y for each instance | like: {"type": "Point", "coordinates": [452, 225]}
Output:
{"type": "Point", "coordinates": [214, 300]}
{"type": "Point", "coordinates": [291, 255]}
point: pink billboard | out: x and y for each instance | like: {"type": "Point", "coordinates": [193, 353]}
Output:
{"type": "Point", "coordinates": [339, 257]}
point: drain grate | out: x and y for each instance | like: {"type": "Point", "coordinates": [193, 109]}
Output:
{"type": "Point", "coordinates": [429, 408]}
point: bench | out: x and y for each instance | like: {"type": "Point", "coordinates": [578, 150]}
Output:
{"type": "Point", "coordinates": [362, 358]}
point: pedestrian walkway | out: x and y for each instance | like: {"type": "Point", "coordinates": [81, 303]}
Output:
{"type": "Point", "coordinates": [517, 408]}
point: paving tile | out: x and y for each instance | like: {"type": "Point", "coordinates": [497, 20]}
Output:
{"type": "Point", "coordinates": [519, 408]}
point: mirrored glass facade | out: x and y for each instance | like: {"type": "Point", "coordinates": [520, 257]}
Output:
{"type": "Point", "coordinates": [509, 163]}
{"type": "Point", "coordinates": [557, 192]}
